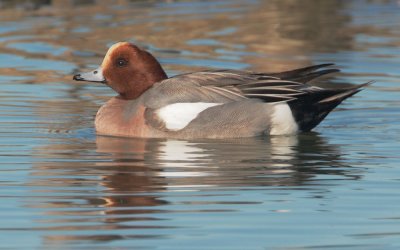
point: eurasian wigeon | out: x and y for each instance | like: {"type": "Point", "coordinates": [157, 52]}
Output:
{"type": "Point", "coordinates": [207, 104]}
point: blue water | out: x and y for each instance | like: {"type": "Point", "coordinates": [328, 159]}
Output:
{"type": "Point", "coordinates": [64, 187]}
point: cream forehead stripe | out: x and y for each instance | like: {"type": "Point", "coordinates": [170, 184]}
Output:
{"type": "Point", "coordinates": [107, 57]}
{"type": "Point", "coordinates": [178, 115]}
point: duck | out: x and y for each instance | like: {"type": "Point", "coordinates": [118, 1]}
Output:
{"type": "Point", "coordinates": [221, 103]}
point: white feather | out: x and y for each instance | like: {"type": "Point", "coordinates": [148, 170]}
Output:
{"type": "Point", "coordinates": [282, 120]}
{"type": "Point", "coordinates": [178, 115]}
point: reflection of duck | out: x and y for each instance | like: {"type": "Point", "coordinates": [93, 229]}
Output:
{"type": "Point", "coordinates": [176, 164]}
{"type": "Point", "coordinates": [128, 173]}
{"type": "Point", "coordinates": [207, 104]}
{"type": "Point", "coordinates": [129, 180]}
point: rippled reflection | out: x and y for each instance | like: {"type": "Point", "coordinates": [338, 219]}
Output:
{"type": "Point", "coordinates": [132, 184]}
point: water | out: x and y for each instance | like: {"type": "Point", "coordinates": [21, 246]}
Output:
{"type": "Point", "coordinates": [63, 187]}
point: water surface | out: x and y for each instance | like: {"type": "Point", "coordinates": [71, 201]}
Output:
{"type": "Point", "coordinates": [64, 187]}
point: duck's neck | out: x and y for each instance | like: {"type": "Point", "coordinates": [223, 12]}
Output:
{"type": "Point", "coordinates": [143, 82]}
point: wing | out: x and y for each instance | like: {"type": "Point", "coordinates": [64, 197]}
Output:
{"type": "Point", "coordinates": [228, 77]}
{"type": "Point", "coordinates": [223, 86]}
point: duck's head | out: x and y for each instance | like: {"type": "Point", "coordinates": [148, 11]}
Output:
{"type": "Point", "coordinates": [127, 69]}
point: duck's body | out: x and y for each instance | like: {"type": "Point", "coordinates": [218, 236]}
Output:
{"type": "Point", "coordinates": [207, 104]}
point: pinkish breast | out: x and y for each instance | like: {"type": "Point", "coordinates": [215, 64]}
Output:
{"type": "Point", "coordinates": [120, 117]}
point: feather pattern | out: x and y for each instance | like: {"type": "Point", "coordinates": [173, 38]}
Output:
{"type": "Point", "coordinates": [269, 87]}
{"type": "Point", "coordinates": [309, 104]}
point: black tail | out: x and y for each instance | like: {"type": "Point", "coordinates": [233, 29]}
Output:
{"type": "Point", "coordinates": [310, 109]}
{"type": "Point", "coordinates": [306, 74]}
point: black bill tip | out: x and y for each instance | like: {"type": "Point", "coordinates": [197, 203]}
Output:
{"type": "Point", "coordinates": [78, 77]}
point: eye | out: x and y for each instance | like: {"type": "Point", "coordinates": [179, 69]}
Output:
{"type": "Point", "coordinates": [121, 62]}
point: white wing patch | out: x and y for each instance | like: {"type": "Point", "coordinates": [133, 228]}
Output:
{"type": "Point", "coordinates": [178, 115]}
{"type": "Point", "coordinates": [282, 120]}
